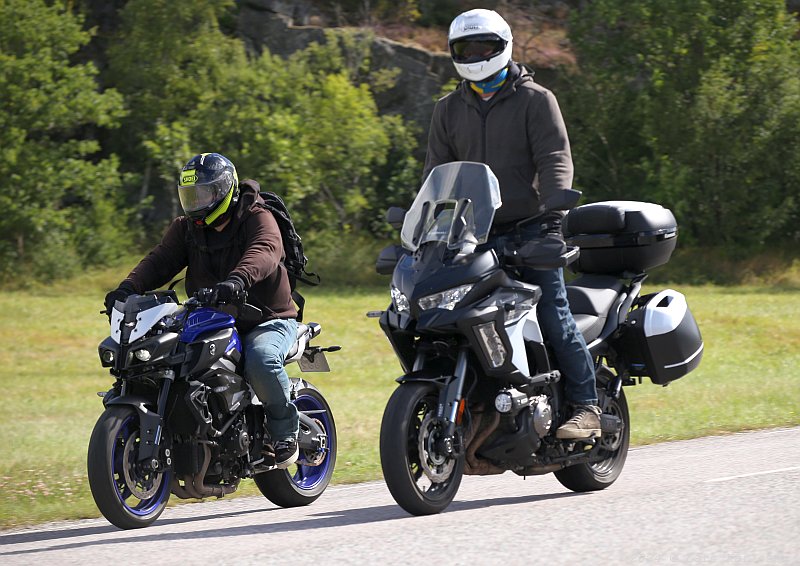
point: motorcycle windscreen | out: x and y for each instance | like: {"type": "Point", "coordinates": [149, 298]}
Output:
{"type": "Point", "coordinates": [455, 205]}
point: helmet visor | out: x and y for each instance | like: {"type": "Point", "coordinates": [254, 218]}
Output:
{"type": "Point", "coordinates": [476, 48]}
{"type": "Point", "coordinates": [203, 195]}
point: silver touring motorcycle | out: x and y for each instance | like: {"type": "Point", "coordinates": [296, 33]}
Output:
{"type": "Point", "coordinates": [482, 392]}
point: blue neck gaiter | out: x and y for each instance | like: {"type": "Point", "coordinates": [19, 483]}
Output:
{"type": "Point", "coordinates": [492, 85]}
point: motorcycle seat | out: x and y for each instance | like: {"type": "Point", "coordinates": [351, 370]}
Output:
{"type": "Point", "coordinates": [591, 297]}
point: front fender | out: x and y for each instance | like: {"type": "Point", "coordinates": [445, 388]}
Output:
{"type": "Point", "coordinates": [139, 402]}
{"type": "Point", "coordinates": [150, 423]}
{"type": "Point", "coordinates": [426, 375]}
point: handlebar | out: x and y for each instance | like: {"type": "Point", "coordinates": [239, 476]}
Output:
{"type": "Point", "coordinates": [207, 298]}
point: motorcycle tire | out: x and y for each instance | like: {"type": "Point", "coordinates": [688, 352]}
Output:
{"type": "Point", "coordinates": [302, 484]}
{"type": "Point", "coordinates": [600, 475]}
{"type": "Point", "coordinates": [127, 496]}
{"type": "Point", "coordinates": [404, 471]}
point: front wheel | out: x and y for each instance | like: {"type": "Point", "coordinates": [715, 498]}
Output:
{"type": "Point", "coordinates": [127, 494]}
{"type": "Point", "coordinates": [599, 475]}
{"type": "Point", "coordinates": [422, 479]}
{"type": "Point", "coordinates": [305, 481]}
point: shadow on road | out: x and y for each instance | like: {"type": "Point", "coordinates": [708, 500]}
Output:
{"type": "Point", "coordinates": [328, 519]}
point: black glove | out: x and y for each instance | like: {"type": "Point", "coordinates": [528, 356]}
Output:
{"type": "Point", "coordinates": [229, 291]}
{"type": "Point", "coordinates": [121, 293]}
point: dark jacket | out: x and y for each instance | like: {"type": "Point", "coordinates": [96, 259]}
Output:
{"type": "Point", "coordinates": [249, 248]}
{"type": "Point", "coordinates": [519, 133]}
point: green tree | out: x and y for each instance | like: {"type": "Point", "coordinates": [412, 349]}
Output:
{"type": "Point", "coordinates": [168, 59]}
{"type": "Point", "coordinates": [693, 104]}
{"type": "Point", "coordinates": [305, 127]}
{"type": "Point", "coordinates": [51, 180]}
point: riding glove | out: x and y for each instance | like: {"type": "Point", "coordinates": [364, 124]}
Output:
{"type": "Point", "coordinates": [121, 293]}
{"type": "Point", "coordinates": [228, 291]}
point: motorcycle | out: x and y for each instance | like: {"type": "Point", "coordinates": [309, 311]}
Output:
{"type": "Point", "coordinates": [481, 391]}
{"type": "Point", "coordinates": [180, 418]}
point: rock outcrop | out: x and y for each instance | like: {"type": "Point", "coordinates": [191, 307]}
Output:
{"type": "Point", "coordinates": [419, 75]}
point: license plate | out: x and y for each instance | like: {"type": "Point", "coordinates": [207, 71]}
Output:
{"type": "Point", "coordinates": [319, 362]}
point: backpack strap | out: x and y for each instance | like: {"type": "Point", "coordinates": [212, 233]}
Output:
{"type": "Point", "coordinates": [300, 301]}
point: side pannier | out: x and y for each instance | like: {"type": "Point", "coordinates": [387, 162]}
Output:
{"type": "Point", "coordinates": [660, 339]}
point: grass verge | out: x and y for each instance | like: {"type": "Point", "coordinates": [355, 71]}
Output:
{"type": "Point", "coordinates": [49, 373]}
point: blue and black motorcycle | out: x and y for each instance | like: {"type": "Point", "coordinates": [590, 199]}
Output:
{"type": "Point", "coordinates": [180, 418]}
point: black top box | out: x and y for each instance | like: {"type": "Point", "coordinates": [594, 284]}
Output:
{"type": "Point", "coordinates": [618, 237]}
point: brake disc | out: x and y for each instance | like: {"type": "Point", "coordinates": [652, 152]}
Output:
{"type": "Point", "coordinates": [142, 486]}
{"type": "Point", "coordinates": [436, 466]}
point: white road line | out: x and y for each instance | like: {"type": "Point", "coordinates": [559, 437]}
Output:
{"type": "Point", "coordinates": [754, 474]}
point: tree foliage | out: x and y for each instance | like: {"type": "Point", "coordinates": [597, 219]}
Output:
{"type": "Point", "coordinates": [306, 128]}
{"type": "Point", "coordinates": [51, 180]}
{"type": "Point", "coordinates": [693, 104]}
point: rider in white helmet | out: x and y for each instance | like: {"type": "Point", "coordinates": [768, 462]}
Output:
{"type": "Point", "coordinates": [499, 116]}
{"type": "Point", "coordinates": [480, 44]}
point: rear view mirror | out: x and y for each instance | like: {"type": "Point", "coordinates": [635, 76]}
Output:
{"type": "Point", "coordinates": [388, 258]}
{"type": "Point", "coordinates": [395, 216]}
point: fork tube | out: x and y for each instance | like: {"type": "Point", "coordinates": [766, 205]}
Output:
{"type": "Point", "coordinates": [419, 363]}
{"type": "Point", "coordinates": [169, 377]}
{"type": "Point", "coordinates": [456, 388]}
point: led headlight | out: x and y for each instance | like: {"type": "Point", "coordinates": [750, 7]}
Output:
{"type": "Point", "coordinates": [503, 402]}
{"type": "Point", "coordinates": [142, 355]}
{"type": "Point", "coordinates": [491, 344]}
{"type": "Point", "coordinates": [400, 301]}
{"type": "Point", "coordinates": [107, 357]}
{"type": "Point", "coordinates": [446, 299]}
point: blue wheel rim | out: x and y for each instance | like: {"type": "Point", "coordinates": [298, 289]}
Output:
{"type": "Point", "coordinates": [309, 477]}
{"type": "Point", "coordinates": [135, 506]}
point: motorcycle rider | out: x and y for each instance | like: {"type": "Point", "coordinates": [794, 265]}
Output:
{"type": "Point", "coordinates": [230, 243]}
{"type": "Point", "coordinates": [499, 116]}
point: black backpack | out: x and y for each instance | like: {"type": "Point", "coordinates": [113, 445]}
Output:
{"type": "Point", "coordinates": [296, 260]}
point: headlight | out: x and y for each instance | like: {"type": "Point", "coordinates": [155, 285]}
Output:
{"type": "Point", "coordinates": [503, 402]}
{"type": "Point", "coordinates": [400, 301]}
{"type": "Point", "coordinates": [446, 299]}
{"type": "Point", "coordinates": [142, 355]}
{"type": "Point", "coordinates": [107, 358]}
{"type": "Point", "coordinates": [491, 344]}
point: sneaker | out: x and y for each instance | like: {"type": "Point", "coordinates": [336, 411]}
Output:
{"type": "Point", "coordinates": [286, 453]}
{"type": "Point", "coordinates": [585, 423]}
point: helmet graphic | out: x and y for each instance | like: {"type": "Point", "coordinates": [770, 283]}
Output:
{"type": "Point", "coordinates": [208, 188]}
{"type": "Point", "coordinates": [480, 44]}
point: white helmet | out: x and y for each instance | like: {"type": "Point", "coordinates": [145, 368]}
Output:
{"type": "Point", "coordinates": [480, 44]}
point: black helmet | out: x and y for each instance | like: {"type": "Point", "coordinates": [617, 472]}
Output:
{"type": "Point", "coordinates": [208, 188]}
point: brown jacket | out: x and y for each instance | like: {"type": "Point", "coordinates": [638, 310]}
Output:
{"type": "Point", "coordinates": [248, 248]}
{"type": "Point", "coordinates": [519, 133]}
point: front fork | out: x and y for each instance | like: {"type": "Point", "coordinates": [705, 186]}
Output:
{"type": "Point", "coordinates": [451, 403]}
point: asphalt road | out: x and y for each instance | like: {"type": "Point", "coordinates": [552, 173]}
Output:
{"type": "Point", "coordinates": [717, 500]}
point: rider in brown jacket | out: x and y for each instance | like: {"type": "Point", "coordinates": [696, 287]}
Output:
{"type": "Point", "coordinates": [229, 242]}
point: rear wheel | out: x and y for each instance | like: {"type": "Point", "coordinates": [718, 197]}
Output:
{"type": "Point", "coordinates": [421, 478]}
{"type": "Point", "coordinates": [599, 475]}
{"type": "Point", "coordinates": [303, 482]}
{"type": "Point", "coordinates": [129, 495]}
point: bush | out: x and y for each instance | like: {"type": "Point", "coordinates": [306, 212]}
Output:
{"type": "Point", "coordinates": [345, 259]}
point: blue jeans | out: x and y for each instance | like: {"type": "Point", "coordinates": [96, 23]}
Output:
{"type": "Point", "coordinates": [265, 349]}
{"type": "Point", "coordinates": [558, 327]}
